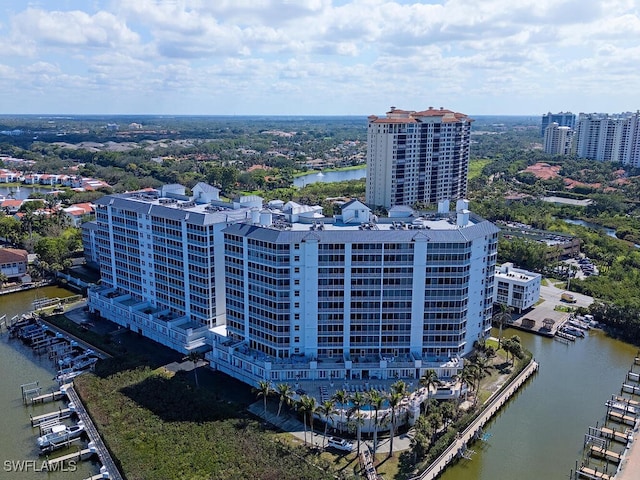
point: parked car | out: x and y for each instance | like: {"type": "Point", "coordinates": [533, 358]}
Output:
{"type": "Point", "coordinates": [340, 444]}
{"type": "Point", "coordinates": [567, 297]}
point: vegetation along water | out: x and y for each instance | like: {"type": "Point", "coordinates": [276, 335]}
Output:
{"type": "Point", "coordinates": [538, 435]}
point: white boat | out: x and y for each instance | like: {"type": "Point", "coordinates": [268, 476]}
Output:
{"type": "Point", "coordinates": [59, 435]}
{"type": "Point", "coordinates": [621, 406]}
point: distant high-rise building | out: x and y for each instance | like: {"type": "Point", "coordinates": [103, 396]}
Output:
{"type": "Point", "coordinates": [609, 138]}
{"type": "Point", "coordinates": [557, 139]}
{"type": "Point", "coordinates": [563, 119]}
{"type": "Point", "coordinates": [417, 157]}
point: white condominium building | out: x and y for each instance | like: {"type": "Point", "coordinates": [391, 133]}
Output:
{"type": "Point", "coordinates": [609, 138]}
{"type": "Point", "coordinates": [557, 139]}
{"type": "Point", "coordinates": [417, 157]}
{"type": "Point", "coordinates": [354, 296]}
{"type": "Point", "coordinates": [161, 257]}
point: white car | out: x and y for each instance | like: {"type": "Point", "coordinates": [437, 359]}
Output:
{"type": "Point", "coordinates": [340, 444]}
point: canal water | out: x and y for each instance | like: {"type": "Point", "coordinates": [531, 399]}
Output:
{"type": "Point", "coordinates": [19, 454]}
{"type": "Point", "coordinates": [540, 432]}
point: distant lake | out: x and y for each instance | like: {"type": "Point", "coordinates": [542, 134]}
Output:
{"type": "Point", "coordinates": [328, 177]}
{"type": "Point", "coordinates": [21, 192]}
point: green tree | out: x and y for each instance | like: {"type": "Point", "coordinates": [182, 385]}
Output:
{"type": "Point", "coordinates": [358, 400]}
{"type": "Point", "coordinates": [502, 317]}
{"type": "Point", "coordinates": [341, 397]}
{"type": "Point", "coordinates": [395, 398]}
{"type": "Point", "coordinates": [307, 407]}
{"type": "Point", "coordinates": [264, 390]}
{"type": "Point", "coordinates": [326, 409]}
{"type": "Point", "coordinates": [285, 392]}
{"type": "Point", "coordinates": [195, 357]}
{"type": "Point", "coordinates": [376, 400]}
{"type": "Point", "coordinates": [428, 380]}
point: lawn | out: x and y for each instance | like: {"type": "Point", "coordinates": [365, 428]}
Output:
{"type": "Point", "coordinates": [476, 166]}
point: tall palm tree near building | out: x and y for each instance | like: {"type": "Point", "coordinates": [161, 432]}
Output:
{"type": "Point", "coordinates": [264, 390]}
{"type": "Point", "coordinates": [400, 387]}
{"type": "Point", "coordinates": [428, 380]}
{"type": "Point", "coordinates": [285, 392]}
{"type": "Point", "coordinates": [358, 400]}
{"type": "Point", "coordinates": [326, 409]}
{"type": "Point", "coordinates": [341, 397]}
{"type": "Point", "coordinates": [467, 376]}
{"type": "Point", "coordinates": [307, 406]}
{"type": "Point", "coordinates": [375, 400]}
{"type": "Point", "coordinates": [394, 402]}
{"type": "Point", "coordinates": [195, 357]}
{"type": "Point", "coordinates": [501, 318]}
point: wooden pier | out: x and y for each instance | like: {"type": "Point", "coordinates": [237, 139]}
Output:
{"type": "Point", "coordinates": [590, 473]}
{"type": "Point", "coordinates": [617, 435]}
{"type": "Point", "coordinates": [621, 418]}
{"type": "Point", "coordinates": [104, 455]}
{"type": "Point", "coordinates": [75, 456]}
{"type": "Point", "coordinates": [599, 452]}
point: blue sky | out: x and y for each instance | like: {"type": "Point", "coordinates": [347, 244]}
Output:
{"type": "Point", "coordinates": [318, 57]}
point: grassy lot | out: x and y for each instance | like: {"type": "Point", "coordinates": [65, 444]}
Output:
{"type": "Point", "coordinates": [159, 426]}
{"type": "Point", "coordinates": [476, 166]}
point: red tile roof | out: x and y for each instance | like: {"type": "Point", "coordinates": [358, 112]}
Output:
{"type": "Point", "coordinates": [10, 255]}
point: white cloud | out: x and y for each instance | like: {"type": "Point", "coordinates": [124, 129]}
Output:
{"type": "Point", "coordinates": [322, 56]}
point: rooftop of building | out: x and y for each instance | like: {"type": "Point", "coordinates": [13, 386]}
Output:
{"type": "Point", "coordinates": [396, 115]}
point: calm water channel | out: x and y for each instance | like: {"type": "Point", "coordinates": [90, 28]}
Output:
{"type": "Point", "coordinates": [19, 365]}
{"type": "Point", "coordinates": [538, 435]}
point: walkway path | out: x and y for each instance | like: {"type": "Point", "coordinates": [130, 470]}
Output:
{"type": "Point", "coordinates": [470, 433]}
{"type": "Point", "coordinates": [94, 436]}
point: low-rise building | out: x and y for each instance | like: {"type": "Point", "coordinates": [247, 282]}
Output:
{"type": "Point", "coordinates": [516, 288]}
{"type": "Point", "coordinates": [13, 263]}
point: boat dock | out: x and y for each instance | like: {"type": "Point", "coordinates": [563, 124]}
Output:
{"type": "Point", "coordinates": [75, 456]}
{"type": "Point", "coordinates": [94, 437]}
{"type": "Point", "coordinates": [590, 473]}
{"type": "Point", "coordinates": [47, 417]}
{"type": "Point", "coordinates": [609, 455]}
{"type": "Point", "coordinates": [621, 418]}
{"type": "Point", "coordinates": [624, 460]}
{"type": "Point", "coordinates": [31, 394]}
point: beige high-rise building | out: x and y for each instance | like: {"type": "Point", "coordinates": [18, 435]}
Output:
{"type": "Point", "coordinates": [557, 139]}
{"type": "Point", "coordinates": [417, 157]}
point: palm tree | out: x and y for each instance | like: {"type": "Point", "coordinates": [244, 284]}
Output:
{"type": "Point", "coordinates": [326, 409]}
{"type": "Point", "coordinates": [467, 376]}
{"type": "Point", "coordinates": [195, 357]}
{"type": "Point", "coordinates": [394, 401]}
{"type": "Point", "coordinates": [3, 279]}
{"type": "Point", "coordinates": [428, 380]}
{"type": "Point", "coordinates": [376, 401]}
{"type": "Point", "coordinates": [264, 390]}
{"type": "Point", "coordinates": [285, 393]}
{"type": "Point", "coordinates": [341, 397]}
{"type": "Point", "coordinates": [400, 387]}
{"type": "Point", "coordinates": [502, 317]}
{"type": "Point", "coordinates": [358, 400]}
{"type": "Point", "coordinates": [307, 406]}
